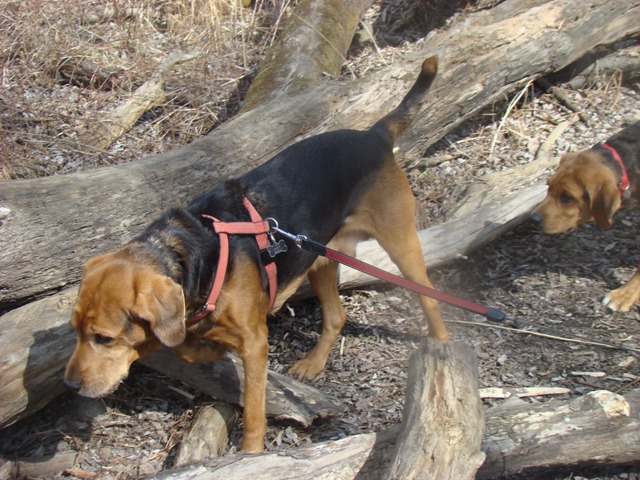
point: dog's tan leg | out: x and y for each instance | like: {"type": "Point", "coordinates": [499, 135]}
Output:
{"type": "Point", "coordinates": [625, 297]}
{"type": "Point", "coordinates": [241, 324]}
{"type": "Point", "coordinates": [394, 229]}
{"type": "Point", "coordinates": [406, 253]}
{"type": "Point", "coordinates": [254, 358]}
{"type": "Point", "coordinates": [323, 280]}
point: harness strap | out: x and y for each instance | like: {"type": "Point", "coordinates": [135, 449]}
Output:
{"type": "Point", "coordinates": [263, 243]}
{"type": "Point", "coordinates": [257, 227]}
{"type": "Point", "coordinates": [624, 180]}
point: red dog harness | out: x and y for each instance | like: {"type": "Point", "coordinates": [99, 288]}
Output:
{"type": "Point", "coordinates": [258, 227]}
{"type": "Point", "coordinates": [624, 180]}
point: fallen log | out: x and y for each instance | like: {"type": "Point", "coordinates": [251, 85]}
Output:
{"type": "Point", "coordinates": [358, 456]}
{"type": "Point", "coordinates": [621, 60]}
{"type": "Point", "coordinates": [32, 366]}
{"type": "Point", "coordinates": [483, 59]}
{"type": "Point", "coordinates": [598, 429]}
{"type": "Point", "coordinates": [572, 430]}
{"type": "Point", "coordinates": [287, 399]}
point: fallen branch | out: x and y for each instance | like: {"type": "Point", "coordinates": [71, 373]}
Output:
{"type": "Point", "coordinates": [287, 399]}
{"type": "Point", "coordinates": [522, 392]}
{"type": "Point", "coordinates": [83, 72]}
{"type": "Point", "coordinates": [563, 99]}
{"type": "Point", "coordinates": [120, 120]}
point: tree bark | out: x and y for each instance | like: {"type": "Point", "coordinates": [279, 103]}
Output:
{"type": "Point", "coordinates": [600, 428]}
{"type": "Point", "coordinates": [208, 435]}
{"type": "Point", "coordinates": [37, 340]}
{"type": "Point", "coordinates": [56, 223]}
{"type": "Point", "coordinates": [443, 419]}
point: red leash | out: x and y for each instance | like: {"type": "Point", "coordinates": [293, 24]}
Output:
{"type": "Point", "coordinates": [491, 313]}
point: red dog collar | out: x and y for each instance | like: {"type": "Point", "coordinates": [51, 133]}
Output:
{"type": "Point", "coordinates": [624, 180]}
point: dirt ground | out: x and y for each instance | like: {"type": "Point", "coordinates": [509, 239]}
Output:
{"type": "Point", "coordinates": [554, 282]}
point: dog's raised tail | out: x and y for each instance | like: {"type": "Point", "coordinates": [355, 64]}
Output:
{"type": "Point", "coordinates": [397, 121]}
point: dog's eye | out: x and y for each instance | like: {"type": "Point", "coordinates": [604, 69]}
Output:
{"type": "Point", "coordinates": [564, 198]}
{"type": "Point", "coordinates": [102, 339]}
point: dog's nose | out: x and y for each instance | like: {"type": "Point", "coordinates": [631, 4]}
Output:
{"type": "Point", "coordinates": [536, 217]}
{"type": "Point", "coordinates": [72, 384]}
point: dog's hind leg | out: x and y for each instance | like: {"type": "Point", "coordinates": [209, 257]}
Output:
{"type": "Point", "coordinates": [392, 224]}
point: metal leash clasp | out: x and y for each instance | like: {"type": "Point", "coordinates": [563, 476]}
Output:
{"type": "Point", "coordinates": [297, 239]}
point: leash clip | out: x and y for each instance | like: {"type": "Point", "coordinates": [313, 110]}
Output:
{"type": "Point", "coordinates": [297, 239]}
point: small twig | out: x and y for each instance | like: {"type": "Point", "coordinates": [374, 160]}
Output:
{"type": "Point", "coordinates": [563, 99]}
{"type": "Point", "coordinates": [512, 104]}
{"type": "Point", "coordinates": [375, 45]}
{"type": "Point", "coordinates": [546, 335]}
{"type": "Point", "coordinates": [545, 147]}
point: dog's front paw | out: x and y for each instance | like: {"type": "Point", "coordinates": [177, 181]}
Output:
{"type": "Point", "coordinates": [623, 298]}
{"type": "Point", "coordinates": [306, 369]}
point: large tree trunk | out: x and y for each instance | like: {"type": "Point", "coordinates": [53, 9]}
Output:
{"type": "Point", "coordinates": [56, 223]}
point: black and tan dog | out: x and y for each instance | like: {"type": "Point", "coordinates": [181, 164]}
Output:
{"type": "Point", "coordinates": [337, 188]}
{"type": "Point", "coordinates": [591, 185]}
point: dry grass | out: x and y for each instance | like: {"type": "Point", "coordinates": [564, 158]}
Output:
{"type": "Point", "coordinates": [65, 63]}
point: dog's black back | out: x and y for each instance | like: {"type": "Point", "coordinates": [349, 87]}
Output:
{"type": "Point", "coordinates": [322, 171]}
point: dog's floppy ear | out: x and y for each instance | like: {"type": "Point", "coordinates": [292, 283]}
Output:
{"type": "Point", "coordinates": [160, 301]}
{"type": "Point", "coordinates": [605, 201]}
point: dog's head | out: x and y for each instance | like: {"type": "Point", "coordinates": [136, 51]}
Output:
{"type": "Point", "coordinates": [125, 309]}
{"type": "Point", "coordinates": [582, 189]}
